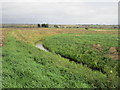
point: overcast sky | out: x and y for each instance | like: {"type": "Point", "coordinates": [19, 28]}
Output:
{"type": "Point", "coordinates": [59, 11]}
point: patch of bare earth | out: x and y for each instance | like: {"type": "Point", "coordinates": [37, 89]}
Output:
{"type": "Point", "coordinates": [113, 53]}
{"type": "Point", "coordinates": [97, 46]}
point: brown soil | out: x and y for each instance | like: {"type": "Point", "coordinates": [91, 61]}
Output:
{"type": "Point", "coordinates": [97, 46]}
{"type": "Point", "coordinates": [113, 53]}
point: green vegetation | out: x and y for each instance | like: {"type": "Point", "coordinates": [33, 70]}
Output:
{"type": "Point", "coordinates": [26, 66]}
{"type": "Point", "coordinates": [89, 49]}
{"type": "Point", "coordinates": [44, 25]}
{"type": "Point", "coordinates": [80, 26]}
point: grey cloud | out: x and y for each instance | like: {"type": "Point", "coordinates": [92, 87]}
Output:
{"type": "Point", "coordinates": [59, 0]}
{"type": "Point", "coordinates": [62, 12]}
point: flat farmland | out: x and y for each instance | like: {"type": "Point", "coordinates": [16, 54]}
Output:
{"type": "Point", "coordinates": [77, 58]}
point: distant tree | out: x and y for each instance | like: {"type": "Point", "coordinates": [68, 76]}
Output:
{"type": "Point", "coordinates": [86, 28]}
{"type": "Point", "coordinates": [56, 26]}
{"type": "Point", "coordinates": [115, 27]}
{"type": "Point", "coordinates": [45, 25]}
{"type": "Point", "coordinates": [38, 25]}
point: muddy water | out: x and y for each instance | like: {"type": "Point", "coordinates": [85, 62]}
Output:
{"type": "Point", "coordinates": [40, 46]}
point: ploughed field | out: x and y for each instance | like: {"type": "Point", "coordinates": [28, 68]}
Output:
{"type": "Point", "coordinates": [76, 58]}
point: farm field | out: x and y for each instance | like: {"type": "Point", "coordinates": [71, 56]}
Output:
{"type": "Point", "coordinates": [77, 58]}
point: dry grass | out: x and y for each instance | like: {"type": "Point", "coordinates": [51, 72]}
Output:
{"type": "Point", "coordinates": [32, 35]}
{"type": "Point", "coordinates": [3, 34]}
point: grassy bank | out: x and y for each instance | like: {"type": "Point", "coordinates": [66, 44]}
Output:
{"type": "Point", "coordinates": [92, 50]}
{"type": "Point", "coordinates": [25, 66]}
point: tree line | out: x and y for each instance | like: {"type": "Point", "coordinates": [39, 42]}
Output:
{"type": "Point", "coordinates": [43, 25]}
